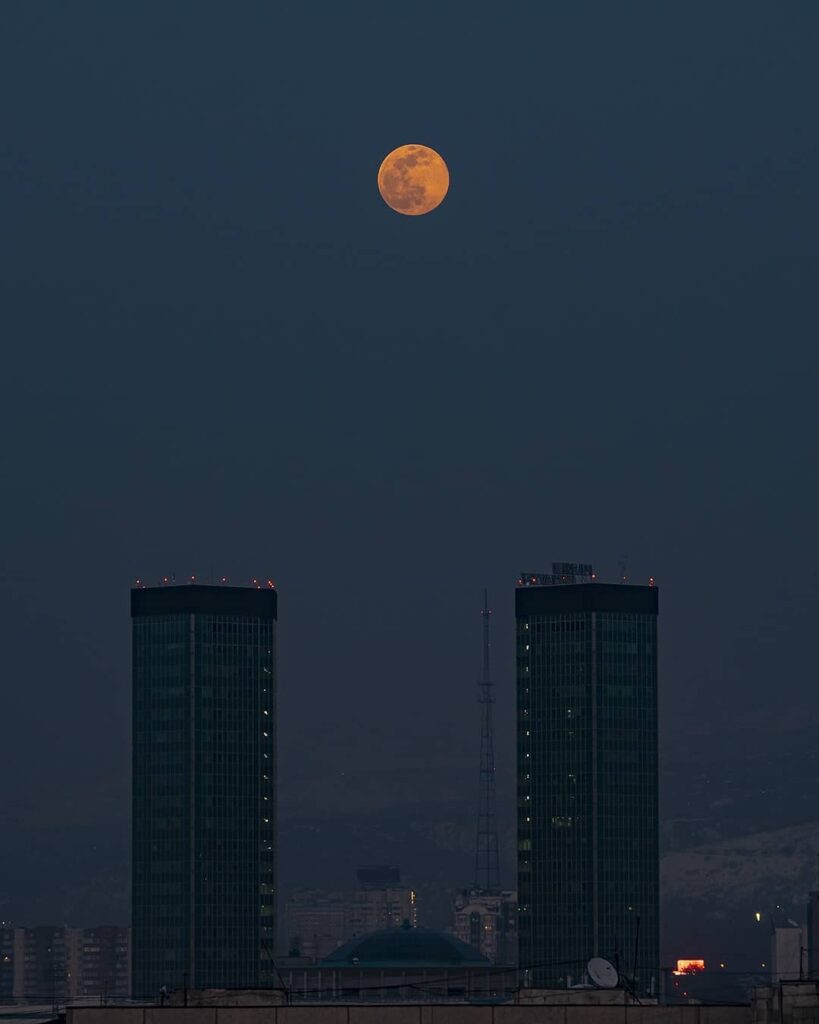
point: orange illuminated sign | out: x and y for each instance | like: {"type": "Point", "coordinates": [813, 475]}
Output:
{"type": "Point", "coordinates": [690, 966]}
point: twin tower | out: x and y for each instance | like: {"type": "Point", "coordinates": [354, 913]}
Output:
{"type": "Point", "coordinates": [204, 782]}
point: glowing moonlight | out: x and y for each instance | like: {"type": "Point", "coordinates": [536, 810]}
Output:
{"type": "Point", "coordinates": [413, 179]}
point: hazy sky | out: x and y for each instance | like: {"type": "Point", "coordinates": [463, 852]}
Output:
{"type": "Point", "coordinates": [222, 353]}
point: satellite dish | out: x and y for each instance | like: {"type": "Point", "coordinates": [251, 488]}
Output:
{"type": "Point", "coordinates": [602, 973]}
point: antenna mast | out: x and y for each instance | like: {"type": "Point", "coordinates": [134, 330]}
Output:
{"type": "Point", "coordinates": [487, 869]}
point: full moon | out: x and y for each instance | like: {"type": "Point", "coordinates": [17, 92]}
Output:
{"type": "Point", "coordinates": [413, 179]}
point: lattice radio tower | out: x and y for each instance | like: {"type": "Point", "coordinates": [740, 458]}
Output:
{"type": "Point", "coordinates": [487, 867]}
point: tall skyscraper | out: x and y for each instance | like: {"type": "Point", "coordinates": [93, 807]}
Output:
{"type": "Point", "coordinates": [204, 787]}
{"type": "Point", "coordinates": [588, 861]}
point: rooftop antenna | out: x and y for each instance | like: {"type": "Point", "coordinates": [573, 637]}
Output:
{"type": "Point", "coordinates": [487, 868]}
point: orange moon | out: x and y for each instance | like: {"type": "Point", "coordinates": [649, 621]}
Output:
{"type": "Point", "coordinates": [413, 179]}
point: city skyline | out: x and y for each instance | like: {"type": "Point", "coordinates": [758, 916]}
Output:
{"type": "Point", "coordinates": [226, 354]}
{"type": "Point", "coordinates": [171, 597]}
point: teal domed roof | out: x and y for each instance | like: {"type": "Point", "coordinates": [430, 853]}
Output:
{"type": "Point", "coordinates": [405, 947]}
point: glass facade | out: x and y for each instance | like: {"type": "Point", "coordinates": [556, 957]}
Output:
{"type": "Point", "coordinates": [588, 861]}
{"type": "Point", "coordinates": [204, 775]}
